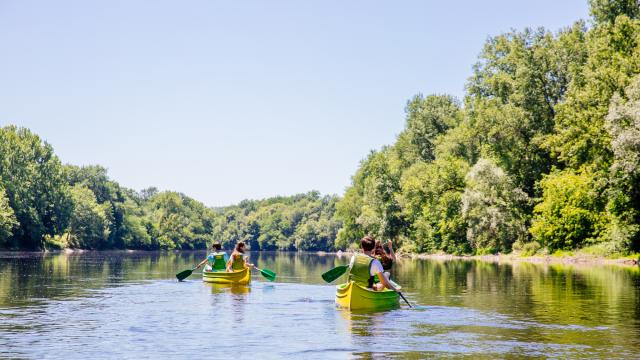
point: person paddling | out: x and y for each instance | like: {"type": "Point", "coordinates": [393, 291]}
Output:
{"type": "Point", "coordinates": [216, 260]}
{"type": "Point", "coordinates": [364, 267]}
{"type": "Point", "coordinates": [237, 261]}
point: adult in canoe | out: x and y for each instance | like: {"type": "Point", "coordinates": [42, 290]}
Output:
{"type": "Point", "coordinates": [364, 268]}
{"type": "Point", "coordinates": [216, 260]}
{"type": "Point", "coordinates": [237, 261]}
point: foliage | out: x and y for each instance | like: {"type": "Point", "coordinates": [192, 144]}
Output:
{"type": "Point", "coordinates": [493, 208]}
{"type": "Point", "coordinates": [552, 113]}
{"type": "Point", "coordinates": [303, 222]}
{"type": "Point", "coordinates": [7, 218]}
{"type": "Point", "coordinates": [430, 198]}
{"type": "Point", "coordinates": [88, 225]}
{"type": "Point", "coordinates": [623, 125]}
{"type": "Point", "coordinates": [553, 117]}
{"type": "Point", "coordinates": [34, 182]}
{"type": "Point", "coordinates": [569, 215]}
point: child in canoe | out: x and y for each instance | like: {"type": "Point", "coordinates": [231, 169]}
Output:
{"type": "Point", "coordinates": [216, 260]}
{"type": "Point", "coordinates": [385, 258]}
{"type": "Point", "coordinates": [363, 268]}
{"type": "Point", "coordinates": [238, 261]}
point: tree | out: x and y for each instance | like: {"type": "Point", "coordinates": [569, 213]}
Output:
{"type": "Point", "coordinates": [427, 118]}
{"type": "Point", "coordinates": [7, 218]}
{"type": "Point", "coordinates": [570, 214]}
{"type": "Point", "coordinates": [88, 226]}
{"type": "Point", "coordinates": [623, 125]}
{"type": "Point", "coordinates": [35, 185]}
{"type": "Point", "coordinates": [606, 11]}
{"type": "Point", "coordinates": [431, 203]}
{"type": "Point", "coordinates": [493, 209]}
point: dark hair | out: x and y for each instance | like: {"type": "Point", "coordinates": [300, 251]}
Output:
{"type": "Point", "coordinates": [367, 243]}
{"type": "Point", "coordinates": [240, 247]}
{"type": "Point", "coordinates": [385, 259]}
{"type": "Point", "coordinates": [216, 246]}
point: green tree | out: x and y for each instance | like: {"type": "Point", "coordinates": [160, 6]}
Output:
{"type": "Point", "coordinates": [493, 208]}
{"type": "Point", "coordinates": [623, 125]}
{"type": "Point", "coordinates": [431, 202]}
{"type": "Point", "coordinates": [7, 218]}
{"type": "Point", "coordinates": [427, 118]}
{"type": "Point", "coordinates": [35, 185]}
{"type": "Point", "coordinates": [88, 226]}
{"type": "Point", "coordinates": [606, 11]}
{"type": "Point", "coordinates": [570, 213]}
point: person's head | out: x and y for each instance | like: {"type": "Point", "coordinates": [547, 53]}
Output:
{"type": "Point", "coordinates": [216, 246]}
{"type": "Point", "coordinates": [240, 247]}
{"type": "Point", "coordinates": [367, 243]}
{"type": "Point", "coordinates": [377, 249]}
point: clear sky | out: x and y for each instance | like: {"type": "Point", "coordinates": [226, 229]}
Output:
{"type": "Point", "coordinates": [227, 100]}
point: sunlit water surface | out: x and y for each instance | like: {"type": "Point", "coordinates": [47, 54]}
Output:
{"type": "Point", "coordinates": [129, 305]}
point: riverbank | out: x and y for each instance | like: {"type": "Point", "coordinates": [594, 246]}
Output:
{"type": "Point", "coordinates": [560, 258]}
{"type": "Point", "coordinates": [539, 259]}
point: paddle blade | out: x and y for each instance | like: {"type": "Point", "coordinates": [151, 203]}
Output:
{"type": "Point", "coordinates": [268, 274]}
{"type": "Point", "coordinates": [334, 273]}
{"type": "Point", "coordinates": [184, 274]}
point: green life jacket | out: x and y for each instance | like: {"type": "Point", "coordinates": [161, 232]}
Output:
{"type": "Point", "coordinates": [216, 260]}
{"type": "Point", "coordinates": [237, 263]}
{"type": "Point", "coordinates": [360, 272]}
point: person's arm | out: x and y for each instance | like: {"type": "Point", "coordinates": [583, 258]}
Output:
{"type": "Point", "coordinates": [201, 263]}
{"type": "Point", "coordinates": [391, 254]}
{"type": "Point", "coordinates": [247, 263]}
{"type": "Point", "coordinates": [229, 263]}
{"type": "Point", "coordinates": [384, 281]}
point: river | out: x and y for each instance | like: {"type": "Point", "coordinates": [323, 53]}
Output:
{"type": "Point", "coordinates": [129, 305]}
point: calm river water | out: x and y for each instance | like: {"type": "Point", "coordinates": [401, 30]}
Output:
{"type": "Point", "coordinates": [129, 305]}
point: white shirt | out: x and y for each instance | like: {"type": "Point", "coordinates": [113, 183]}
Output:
{"type": "Point", "coordinates": [376, 266]}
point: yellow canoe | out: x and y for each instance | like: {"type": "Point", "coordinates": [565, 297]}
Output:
{"type": "Point", "coordinates": [242, 277]}
{"type": "Point", "coordinates": [353, 296]}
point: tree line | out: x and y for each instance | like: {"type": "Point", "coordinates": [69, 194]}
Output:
{"type": "Point", "coordinates": [541, 154]}
{"type": "Point", "coordinates": [47, 205]}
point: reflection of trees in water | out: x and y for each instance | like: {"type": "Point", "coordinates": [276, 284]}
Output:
{"type": "Point", "coordinates": [549, 293]}
{"type": "Point", "coordinates": [557, 294]}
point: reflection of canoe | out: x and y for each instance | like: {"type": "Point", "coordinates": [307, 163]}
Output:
{"type": "Point", "coordinates": [236, 289]}
{"type": "Point", "coordinates": [223, 277]}
{"type": "Point", "coordinates": [354, 297]}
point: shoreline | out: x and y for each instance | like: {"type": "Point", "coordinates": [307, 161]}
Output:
{"type": "Point", "coordinates": [579, 259]}
{"type": "Point", "coordinates": [537, 259]}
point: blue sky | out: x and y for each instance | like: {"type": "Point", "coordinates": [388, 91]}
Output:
{"type": "Point", "coordinates": [227, 100]}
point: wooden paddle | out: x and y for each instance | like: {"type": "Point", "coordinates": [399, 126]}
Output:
{"type": "Point", "coordinates": [184, 274]}
{"type": "Point", "coordinates": [268, 274]}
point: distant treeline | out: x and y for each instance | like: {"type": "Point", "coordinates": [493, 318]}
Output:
{"type": "Point", "coordinates": [542, 154]}
{"type": "Point", "coordinates": [47, 205]}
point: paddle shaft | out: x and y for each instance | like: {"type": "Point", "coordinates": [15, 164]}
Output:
{"type": "Point", "coordinates": [403, 298]}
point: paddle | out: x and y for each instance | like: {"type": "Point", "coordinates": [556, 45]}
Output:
{"type": "Point", "coordinates": [403, 298]}
{"type": "Point", "coordinates": [334, 273]}
{"type": "Point", "coordinates": [268, 274]}
{"type": "Point", "coordinates": [184, 274]}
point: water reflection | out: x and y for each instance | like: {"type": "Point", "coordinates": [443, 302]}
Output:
{"type": "Point", "coordinates": [463, 307]}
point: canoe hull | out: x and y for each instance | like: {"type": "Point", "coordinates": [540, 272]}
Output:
{"type": "Point", "coordinates": [355, 297]}
{"type": "Point", "coordinates": [241, 277]}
